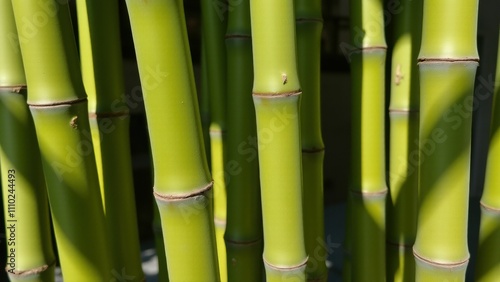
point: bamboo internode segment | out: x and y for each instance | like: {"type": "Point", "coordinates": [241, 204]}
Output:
{"type": "Point", "coordinates": [448, 61]}
{"type": "Point", "coordinates": [162, 48]}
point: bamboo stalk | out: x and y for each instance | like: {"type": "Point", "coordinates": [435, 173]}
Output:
{"type": "Point", "coordinates": [58, 104]}
{"type": "Point", "coordinates": [30, 256]}
{"type": "Point", "coordinates": [403, 170]}
{"type": "Point", "coordinates": [244, 216]}
{"type": "Point", "coordinates": [103, 80]}
{"type": "Point", "coordinates": [182, 183]}
{"type": "Point", "coordinates": [448, 60]}
{"type": "Point", "coordinates": [213, 30]}
{"type": "Point", "coordinates": [159, 245]}
{"type": "Point", "coordinates": [366, 211]}
{"type": "Point", "coordinates": [488, 257]}
{"type": "Point", "coordinates": [276, 93]}
{"type": "Point", "coordinates": [309, 24]}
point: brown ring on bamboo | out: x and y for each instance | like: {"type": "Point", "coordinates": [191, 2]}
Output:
{"type": "Point", "coordinates": [109, 114]}
{"type": "Point", "coordinates": [14, 88]}
{"type": "Point", "coordinates": [489, 208]}
{"type": "Point", "coordinates": [276, 95]}
{"type": "Point", "coordinates": [447, 60]}
{"type": "Point", "coordinates": [313, 150]}
{"type": "Point", "coordinates": [182, 196]}
{"type": "Point", "coordinates": [399, 245]}
{"type": "Point", "coordinates": [439, 264]}
{"type": "Point", "coordinates": [404, 111]}
{"type": "Point", "coordinates": [362, 193]}
{"type": "Point", "coordinates": [219, 222]}
{"type": "Point", "coordinates": [216, 132]}
{"type": "Point", "coordinates": [287, 268]}
{"type": "Point", "coordinates": [243, 243]}
{"type": "Point", "coordinates": [59, 103]}
{"type": "Point", "coordinates": [33, 271]}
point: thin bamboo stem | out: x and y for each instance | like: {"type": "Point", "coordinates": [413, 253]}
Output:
{"type": "Point", "coordinates": [182, 182]}
{"type": "Point", "coordinates": [103, 80]}
{"type": "Point", "coordinates": [403, 169]}
{"type": "Point", "coordinates": [243, 236]}
{"type": "Point", "coordinates": [366, 212]}
{"type": "Point", "coordinates": [488, 258]}
{"type": "Point", "coordinates": [448, 60]}
{"type": "Point", "coordinates": [309, 24]}
{"type": "Point", "coordinates": [58, 105]}
{"type": "Point", "coordinates": [30, 256]}
{"type": "Point", "coordinates": [276, 93]}
{"type": "Point", "coordinates": [213, 30]}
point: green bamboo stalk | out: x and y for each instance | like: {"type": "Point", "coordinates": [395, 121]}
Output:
{"type": "Point", "coordinates": [30, 256]}
{"type": "Point", "coordinates": [276, 93]}
{"type": "Point", "coordinates": [368, 190]}
{"type": "Point", "coordinates": [213, 30]}
{"type": "Point", "coordinates": [403, 169]}
{"type": "Point", "coordinates": [309, 24]}
{"type": "Point", "coordinates": [244, 216]}
{"type": "Point", "coordinates": [182, 183]}
{"type": "Point", "coordinates": [448, 60]}
{"type": "Point", "coordinates": [102, 73]}
{"type": "Point", "coordinates": [58, 104]}
{"type": "Point", "coordinates": [488, 257]}
{"type": "Point", "coordinates": [204, 98]}
{"type": "Point", "coordinates": [159, 245]}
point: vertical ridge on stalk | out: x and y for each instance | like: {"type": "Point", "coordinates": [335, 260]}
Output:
{"type": "Point", "coordinates": [103, 80]}
{"type": "Point", "coordinates": [214, 23]}
{"type": "Point", "coordinates": [276, 95]}
{"type": "Point", "coordinates": [403, 167]}
{"type": "Point", "coordinates": [243, 235]}
{"type": "Point", "coordinates": [309, 24]}
{"type": "Point", "coordinates": [58, 104]}
{"type": "Point", "coordinates": [488, 257]}
{"type": "Point", "coordinates": [182, 182]}
{"type": "Point", "coordinates": [365, 229]}
{"type": "Point", "coordinates": [26, 213]}
{"type": "Point", "coordinates": [447, 61]}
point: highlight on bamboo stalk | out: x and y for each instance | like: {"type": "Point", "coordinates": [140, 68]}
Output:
{"type": "Point", "coordinates": [102, 73]}
{"type": "Point", "coordinates": [276, 93]}
{"type": "Point", "coordinates": [30, 256]}
{"type": "Point", "coordinates": [182, 182]}
{"type": "Point", "coordinates": [488, 257]}
{"type": "Point", "coordinates": [213, 30]}
{"type": "Point", "coordinates": [309, 24]}
{"type": "Point", "coordinates": [58, 104]}
{"type": "Point", "coordinates": [243, 234]}
{"type": "Point", "coordinates": [365, 230]}
{"type": "Point", "coordinates": [403, 150]}
{"type": "Point", "coordinates": [448, 60]}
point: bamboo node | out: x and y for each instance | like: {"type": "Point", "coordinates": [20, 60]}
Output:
{"type": "Point", "coordinates": [59, 103]}
{"type": "Point", "coordinates": [312, 150]}
{"type": "Point", "coordinates": [448, 60]}
{"type": "Point", "coordinates": [15, 88]}
{"type": "Point", "coordinates": [29, 272]}
{"type": "Point", "coordinates": [182, 196]}
{"type": "Point", "coordinates": [277, 95]}
{"type": "Point", "coordinates": [286, 268]}
{"type": "Point", "coordinates": [441, 264]}
{"type": "Point", "coordinates": [489, 208]}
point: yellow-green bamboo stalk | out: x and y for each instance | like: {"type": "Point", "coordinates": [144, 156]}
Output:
{"type": "Point", "coordinates": [102, 73]}
{"type": "Point", "coordinates": [182, 182]}
{"type": "Point", "coordinates": [488, 257]}
{"type": "Point", "coordinates": [204, 98]}
{"type": "Point", "coordinates": [213, 30]}
{"type": "Point", "coordinates": [403, 163]}
{"type": "Point", "coordinates": [58, 104]}
{"type": "Point", "coordinates": [244, 217]}
{"type": "Point", "coordinates": [309, 24]}
{"type": "Point", "coordinates": [159, 245]}
{"type": "Point", "coordinates": [30, 256]}
{"type": "Point", "coordinates": [366, 211]}
{"type": "Point", "coordinates": [276, 93]}
{"type": "Point", "coordinates": [448, 60]}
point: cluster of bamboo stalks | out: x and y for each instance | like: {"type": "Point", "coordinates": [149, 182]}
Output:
{"type": "Point", "coordinates": [238, 181]}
